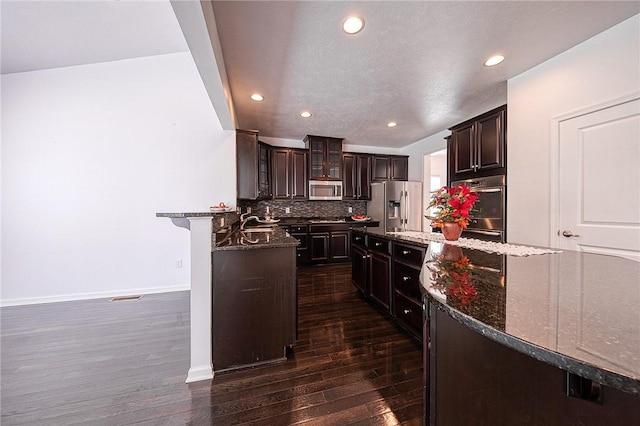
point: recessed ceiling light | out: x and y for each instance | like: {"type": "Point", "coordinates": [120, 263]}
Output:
{"type": "Point", "coordinates": [494, 60]}
{"type": "Point", "coordinates": [392, 124]}
{"type": "Point", "coordinates": [257, 97]}
{"type": "Point", "coordinates": [353, 24]}
{"type": "Point", "coordinates": [305, 114]}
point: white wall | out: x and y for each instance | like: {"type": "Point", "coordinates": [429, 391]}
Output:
{"type": "Point", "coordinates": [417, 150]}
{"type": "Point", "coordinates": [601, 69]}
{"type": "Point", "coordinates": [89, 155]}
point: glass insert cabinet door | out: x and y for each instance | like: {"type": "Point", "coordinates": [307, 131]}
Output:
{"type": "Point", "coordinates": [334, 159]}
{"type": "Point", "coordinates": [325, 158]}
{"type": "Point", "coordinates": [317, 159]}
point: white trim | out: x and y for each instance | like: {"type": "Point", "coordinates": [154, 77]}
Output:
{"type": "Point", "coordinates": [196, 374]}
{"type": "Point", "coordinates": [554, 161]}
{"type": "Point", "coordinates": [95, 295]}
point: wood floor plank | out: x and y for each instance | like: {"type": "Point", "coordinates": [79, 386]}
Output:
{"type": "Point", "coordinates": [98, 362]}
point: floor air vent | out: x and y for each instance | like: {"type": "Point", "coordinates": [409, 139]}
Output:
{"type": "Point", "coordinates": [120, 298]}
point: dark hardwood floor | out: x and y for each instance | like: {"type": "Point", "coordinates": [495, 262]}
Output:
{"type": "Point", "coordinates": [114, 363]}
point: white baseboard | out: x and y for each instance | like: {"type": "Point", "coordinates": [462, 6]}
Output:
{"type": "Point", "coordinates": [96, 295]}
{"type": "Point", "coordinates": [203, 372]}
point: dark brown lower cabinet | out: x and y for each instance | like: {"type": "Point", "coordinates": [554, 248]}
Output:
{"type": "Point", "coordinates": [380, 279]}
{"type": "Point", "coordinates": [329, 243]}
{"type": "Point", "coordinates": [360, 268]}
{"type": "Point", "coordinates": [339, 245]}
{"type": "Point", "coordinates": [254, 306]}
{"type": "Point", "coordinates": [473, 380]}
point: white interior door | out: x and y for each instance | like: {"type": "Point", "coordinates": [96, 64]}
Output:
{"type": "Point", "coordinates": [599, 181]}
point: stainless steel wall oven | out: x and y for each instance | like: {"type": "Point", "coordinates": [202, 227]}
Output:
{"type": "Point", "coordinates": [489, 215]}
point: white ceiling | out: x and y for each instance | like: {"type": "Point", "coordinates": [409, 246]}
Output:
{"type": "Point", "coordinates": [416, 63]}
{"type": "Point", "coordinates": [40, 35]}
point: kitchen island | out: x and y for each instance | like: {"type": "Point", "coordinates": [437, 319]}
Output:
{"type": "Point", "coordinates": [544, 339]}
{"type": "Point", "coordinates": [539, 339]}
{"type": "Point", "coordinates": [207, 237]}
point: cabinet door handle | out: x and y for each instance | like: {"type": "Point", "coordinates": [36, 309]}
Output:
{"type": "Point", "coordinates": [406, 278]}
{"type": "Point", "coordinates": [407, 311]}
{"type": "Point", "coordinates": [405, 252]}
{"type": "Point", "coordinates": [378, 244]}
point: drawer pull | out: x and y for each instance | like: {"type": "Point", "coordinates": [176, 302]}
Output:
{"type": "Point", "coordinates": [405, 252]}
{"type": "Point", "coordinates": [378, 244]}
{"type": "Point", "coordinates": [407, 311]}
{"type": "Point", "coordinates": [406, 278]}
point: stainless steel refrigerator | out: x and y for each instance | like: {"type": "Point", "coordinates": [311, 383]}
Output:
{"type": "Point", "coordinates": [397, 205]}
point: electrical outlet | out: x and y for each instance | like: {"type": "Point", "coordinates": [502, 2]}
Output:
{"type": "Point", "coordinates": [248, 209]}
{"type": "Point", "coordinates": [178, 263]}
{"type": "Point", "coordinates": [287, 209]}
{"type": "Point", "coordinates": [350, 209]}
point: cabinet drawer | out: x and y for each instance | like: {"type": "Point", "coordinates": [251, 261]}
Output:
{"type": "Point", "coordinates": [302, 238]}
{"type": "Point", "coordinates": [358, 239]}
{"type": "Point", "coordinates": [410, 254]}
{"type": "Point", "coordinates": [409, 314]}
{"type": "Point", "coordinates": [333, 227]}
{"type": "Point", "coordinates": [379, 244]}
{"type": "Point", "coordinates": [407, 280]}
{"type": "Point", "coordinates": [298, 229]}
{"type": "Point", "coordinates": [301, 255]}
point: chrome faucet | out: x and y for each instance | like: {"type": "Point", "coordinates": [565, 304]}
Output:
{"type": "Point", "coordinates": [243, 220]}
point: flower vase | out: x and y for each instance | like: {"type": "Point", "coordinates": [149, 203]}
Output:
{"type": "Point", "coordinates": [451, 231]}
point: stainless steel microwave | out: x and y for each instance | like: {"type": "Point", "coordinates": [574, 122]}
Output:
{"type": "Point", "coordinates": [325, 190]}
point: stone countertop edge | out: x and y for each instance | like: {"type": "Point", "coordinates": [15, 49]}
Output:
{"type": "Point", "coordinates": [378, 232]}
{"type": "Point", "coordinates": [564, 362]}
{"type": "Point", "coordinates": [195, 214]}
{"type": "Point", "coordinates": [278, 239]}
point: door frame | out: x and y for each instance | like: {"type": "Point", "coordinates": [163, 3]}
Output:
{"type": "Point", "coordinates": [556, 121]}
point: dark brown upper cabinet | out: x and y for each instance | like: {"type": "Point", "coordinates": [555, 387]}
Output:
{"type": "Point", "coordinates": [289, 173]}
{"type": "Point", "coordinates": [389, 167]}
{"type": "Point", "coordinates": [356, 184]}
{"type": "Point", "coordinates": [325, 157]}
{"type": "Point", "coordinates": [477, 147]}
{"type": "Point", "coordinates": [252, 166]}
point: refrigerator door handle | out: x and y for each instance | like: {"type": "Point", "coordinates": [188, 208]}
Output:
{"type": "Point", "coordinates": [403, 208]}
{"type": "Point", "coordinates": [407, 209]}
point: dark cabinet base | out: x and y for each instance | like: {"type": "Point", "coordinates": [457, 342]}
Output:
{"type": "Point", "coordinates": [253, 307]}
{"type": "Point", "coordinates": [475, 380]}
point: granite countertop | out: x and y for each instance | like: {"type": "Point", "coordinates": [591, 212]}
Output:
{"type": "Point", "coordinates": [283, 220]}
{"type": "Point", "coordinates": [578, 311]}
{"type": "Point", "coordinates": [193, 214]}
{"type": "Point", "coordinates": [380, 232]}
{"type": "Point", "coordinates": [247, 240]}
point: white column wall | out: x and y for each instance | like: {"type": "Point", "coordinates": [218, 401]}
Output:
{"type": "Point", "coordinates": [89, 155]}
{"type": "Point", "coordinates": [603, 68]}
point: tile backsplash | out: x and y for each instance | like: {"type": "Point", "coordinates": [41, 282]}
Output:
{"type": "Point", "coordinates": [325, 209]}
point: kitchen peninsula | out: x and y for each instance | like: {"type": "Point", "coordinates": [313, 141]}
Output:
{"type": "Point", "coordinates": [541, 339]}
{"type": "Point", "coordinates": [234, 272]}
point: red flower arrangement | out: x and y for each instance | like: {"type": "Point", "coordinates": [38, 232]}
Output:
{"type": "Point", "coordinates": [454, 205]}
